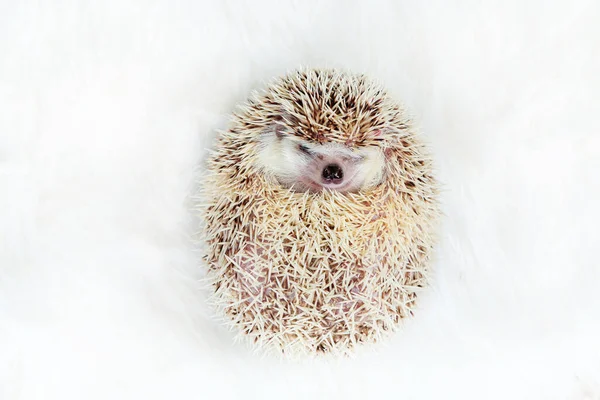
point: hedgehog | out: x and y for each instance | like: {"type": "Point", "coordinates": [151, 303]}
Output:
{"type": "Point", "coordinates": [319, 207]}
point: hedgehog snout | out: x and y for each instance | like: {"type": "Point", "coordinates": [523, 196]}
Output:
{"type": "Point", "coordinates": [333, 173]}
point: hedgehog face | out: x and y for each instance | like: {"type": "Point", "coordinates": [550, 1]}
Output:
{"type": "Point", "coordinates": [307, 166]}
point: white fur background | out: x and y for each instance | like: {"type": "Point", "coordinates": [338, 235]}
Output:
{"type": "Point", "coordinates": [106, 107]}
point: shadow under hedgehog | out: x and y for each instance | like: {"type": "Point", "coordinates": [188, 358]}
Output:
{"type": "Point", "coordinates": [319, 210]}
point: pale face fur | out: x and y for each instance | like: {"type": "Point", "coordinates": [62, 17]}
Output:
{"type": "Point", "coordinates": [304, 166]}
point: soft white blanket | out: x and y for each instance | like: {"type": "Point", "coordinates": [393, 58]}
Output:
{"type": "Point", "coordinates": [107, 106]}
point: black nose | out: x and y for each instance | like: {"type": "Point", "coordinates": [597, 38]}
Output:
{"type": "Point", "coordinates": [333, 174]}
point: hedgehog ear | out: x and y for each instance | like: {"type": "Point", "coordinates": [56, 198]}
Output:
{"type": "Point", "coordinates": [380, 133]}
{"type": "Point", "coordinates": [279, 129]}
{"type": "Point", "coordinates": [280, 123]}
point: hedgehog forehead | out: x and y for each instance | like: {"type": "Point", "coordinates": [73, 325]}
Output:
{"type": "Point", "coordinates": [324, 126]}
{"type": "Point", "coordinates": [320, 106]}
{"type": "Point", "coordinates": [324, 106]}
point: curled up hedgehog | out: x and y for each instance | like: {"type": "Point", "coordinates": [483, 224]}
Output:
{"type": "Point", "coordinates": [319, 210]}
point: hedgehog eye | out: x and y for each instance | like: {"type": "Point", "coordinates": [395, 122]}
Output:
{"type": "Point", "coordinates": [304, 149]}
{"type": "Point", "coordinates": [355, 157]}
